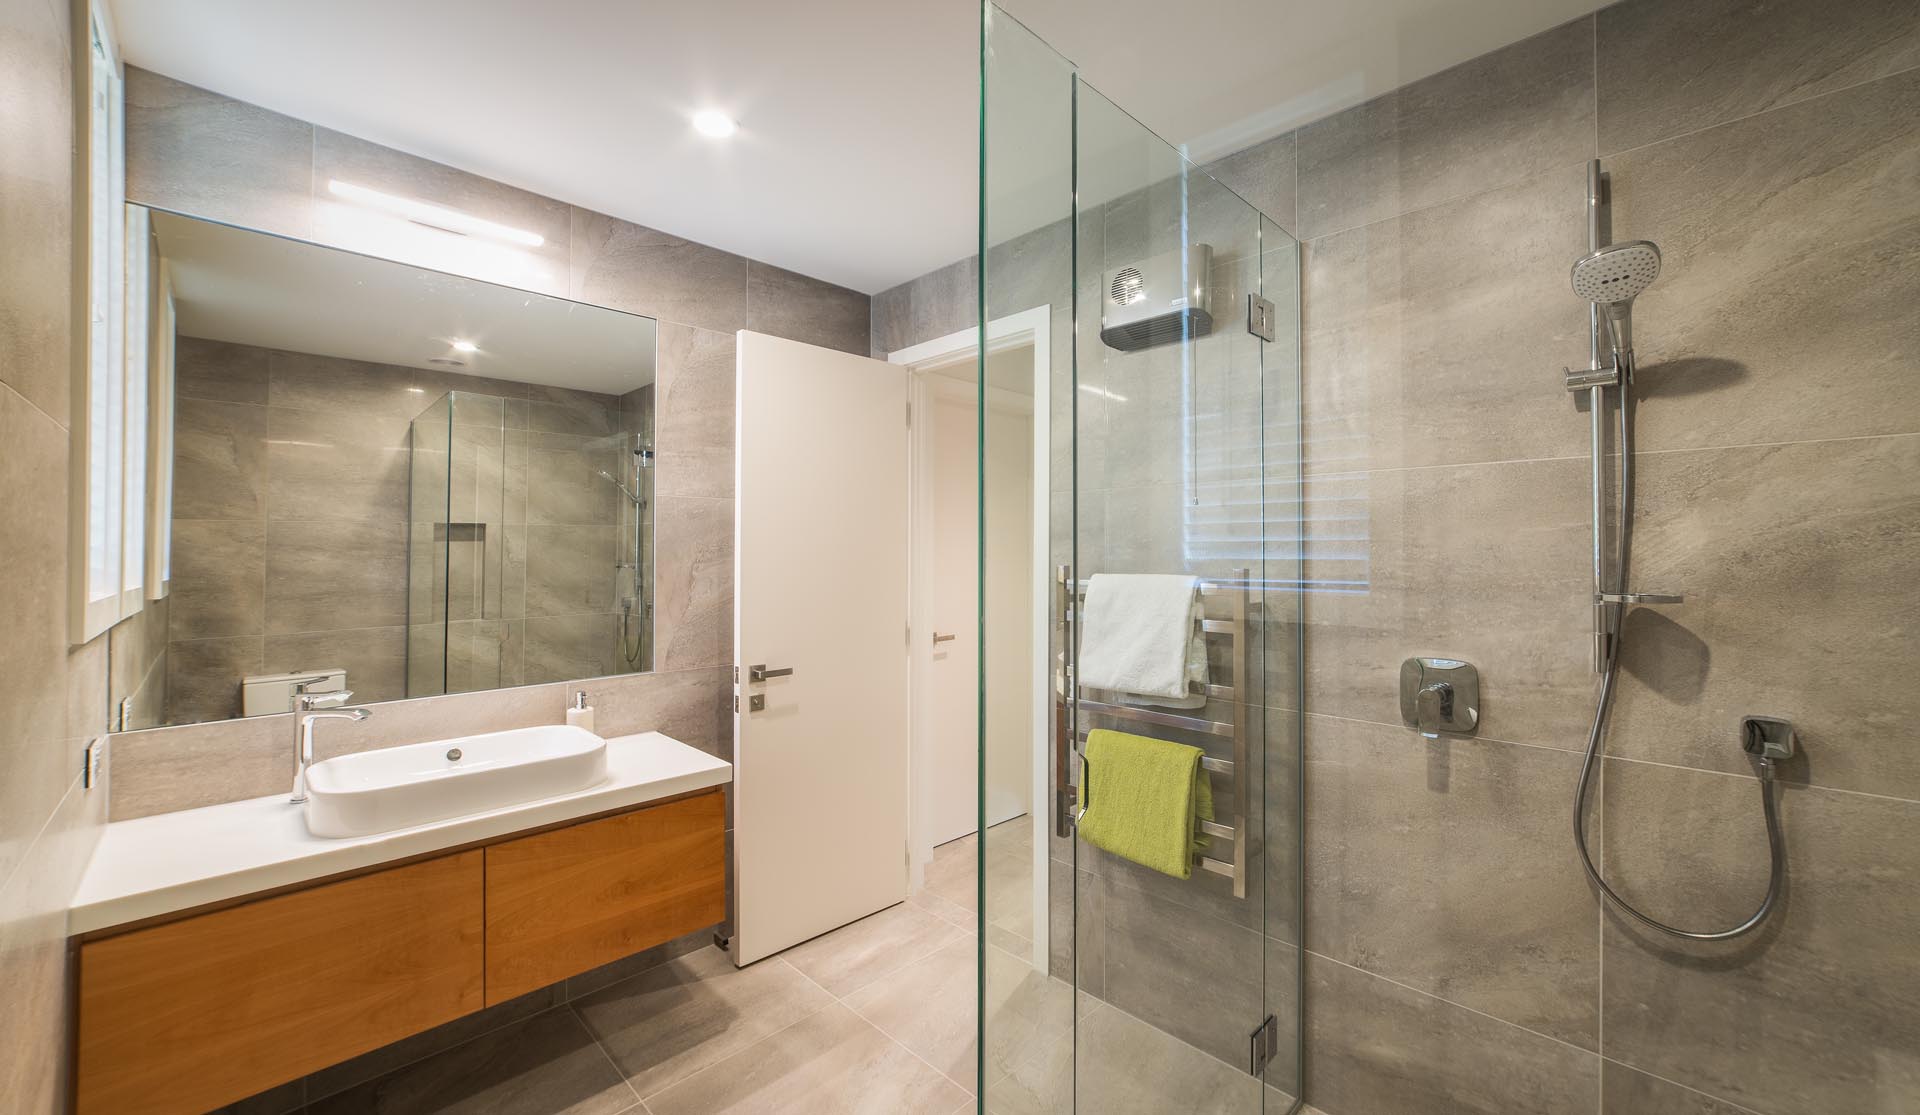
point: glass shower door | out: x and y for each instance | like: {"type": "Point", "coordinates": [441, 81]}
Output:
{"type": "Point", "coordinates": [1171, 414]}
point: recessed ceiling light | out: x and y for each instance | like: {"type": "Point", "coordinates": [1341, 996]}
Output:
{"type": "Point", "coordinates": [465, 346]}
{"type": "Point", "coordinates": [712, 122]}
{"type": "Point", "coordinates": [433, 216]}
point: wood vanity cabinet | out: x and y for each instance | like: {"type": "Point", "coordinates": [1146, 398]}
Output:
{"type": "Point", "coordinates": [192, 1014]}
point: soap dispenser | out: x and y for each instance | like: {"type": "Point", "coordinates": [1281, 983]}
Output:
{"type": "Point", "coordinates": [580, 713]}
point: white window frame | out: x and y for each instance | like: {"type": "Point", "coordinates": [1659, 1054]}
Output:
{"type": "Point", "coordinates": [109, 502]}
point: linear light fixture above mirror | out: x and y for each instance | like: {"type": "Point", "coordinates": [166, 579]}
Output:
{"type": "Point", "coordinates": [433, 216]}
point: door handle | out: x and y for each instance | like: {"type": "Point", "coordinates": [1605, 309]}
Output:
{"type": "Point", "coordinates": [938, 638]}
{"type": "Point", "coordinates": [761, 673]}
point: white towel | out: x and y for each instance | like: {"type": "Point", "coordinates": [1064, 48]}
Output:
{"type": "Point", "coordinates": [1138, 634]}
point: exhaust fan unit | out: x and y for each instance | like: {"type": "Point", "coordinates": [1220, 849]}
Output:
{"type": "Point", "coordinates": [1161, 300]}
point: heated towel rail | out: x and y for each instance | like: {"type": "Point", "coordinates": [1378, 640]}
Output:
{"type": "Point", "coordinates": [1071, 711]}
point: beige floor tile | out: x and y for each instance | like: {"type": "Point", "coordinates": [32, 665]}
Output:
{"type": "Point", "coordinates": [674, 1020]}
{"type": "Point", "coordinates": [855, 955]}
{"type": "Point", "coordinates": [1126, 1068]}
{"type": "Point", "coordinates": [831, 1063]}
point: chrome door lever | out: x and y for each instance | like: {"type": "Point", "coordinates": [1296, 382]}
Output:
{"type": "Point", "coordinates": [939, 638]}
{"type": "Point", "coordinates": [761, 673]}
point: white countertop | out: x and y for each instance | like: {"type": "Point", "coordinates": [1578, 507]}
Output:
{"type": "Point", "coordinates": [175, 861]}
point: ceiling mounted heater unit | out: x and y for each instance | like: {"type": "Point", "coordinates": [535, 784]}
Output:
{"type": "Point", "coordinates": [1162, 300]}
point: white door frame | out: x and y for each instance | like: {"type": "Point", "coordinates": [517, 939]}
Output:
{"type": "Point", "coordinates": [1028, 327]}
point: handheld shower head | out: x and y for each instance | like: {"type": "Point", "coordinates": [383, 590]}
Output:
{"type": "Point", "coordinates": [1612, 278]}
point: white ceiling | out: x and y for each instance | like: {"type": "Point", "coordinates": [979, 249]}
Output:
{"type": "Point", "coordinates": [251, 288]}
{"type": "Point", "coordinates": [856, 156]}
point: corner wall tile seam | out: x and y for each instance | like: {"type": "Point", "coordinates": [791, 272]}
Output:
{"type": "Point", "coordinates": [39, 836]}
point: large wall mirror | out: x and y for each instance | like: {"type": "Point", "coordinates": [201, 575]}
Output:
{"type": "Point", "coordinates": [391, 480]}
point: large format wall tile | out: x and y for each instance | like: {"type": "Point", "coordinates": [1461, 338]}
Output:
{"type": "Point", "coordinates": [694, 432]}
{"type": "Point", "coordinates": [1799, 565]}
{"type": "Point", "coordinates": [931, 306]}
{"type": "Point", "coordinates": [1445, 865]}
{"type": "Point", "coordinates": [569, 569]}
{"type": "Point", "coordinates": [1499, 118]}
{"type": "Point", "coordinates": [1437, 337]}
{"type": "Point", "coordinates": [328, 576]}
{"type": "Point", "coordinates": [324, 465]}
{"type": "Point", "coordinates": [1191, 975]}
{"type": "Point", "coordinates": [1817, 1010]}
{"type": "Point", "coordinates": [35, 765]}
{"type": "Point", "coordinates": [219, 371]}
{"type": "Point", "coordinates": [201, 153]}
{"type": "Point", "coordinates": [349, 159]}
{"type": "Point", "coordinates": [560, 648]}
{"type": "Point", "coordinates": [335, 385]}
{"type": "Point", "coordinates": [693, 583]}
{"type": "Point", "coordinates": [204, 675]}
{"type": "Point", "coordinates": [1376, 1048]}
{"type": "Point", "coordinates": [1488, 563]}
{"type": "Point", "coordinates": [788, 304]}
{"type": "Point", "coordinates": [219, 460]}
{"type": "Point", "coordinates": [1791, 266]}
{"type": "Point", "coordinates": [219, 586]}
{"type": "Point", "coordinates": [645, 271]}
{"type": "Point", "coordinates": [36, 206]}
{"type": "Point", "coordinates": [1665, 68]}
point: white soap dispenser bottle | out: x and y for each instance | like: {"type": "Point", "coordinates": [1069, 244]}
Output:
{"type": "Point", "coordinates": [580, 713]}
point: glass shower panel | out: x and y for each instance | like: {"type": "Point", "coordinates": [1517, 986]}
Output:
{"type": "Point", "coordinates": [430, 441]}
{"type": "Point", "coordinates": [1168, 431]}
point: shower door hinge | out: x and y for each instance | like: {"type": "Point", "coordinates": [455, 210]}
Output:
{"type": "Point", "coordinates": [1260, 317]}
{"type": "Point", "coordinates": [1266, 1042]}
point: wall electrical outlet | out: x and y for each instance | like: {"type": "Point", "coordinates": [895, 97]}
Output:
{"type": "Point", "coordinates": [93, 765]}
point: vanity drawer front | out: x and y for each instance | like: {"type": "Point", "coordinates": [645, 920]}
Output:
{"type": "Point", "coordinates": [564, 901]}
{"type": "Point", "coordinates": [193, 1014]}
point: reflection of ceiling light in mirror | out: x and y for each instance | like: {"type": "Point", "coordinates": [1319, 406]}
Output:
{"type": "Point", "coordinates": [434, 216]}
{"type": "Point", "coordinates": [464, 346]}
{"type": "Point", "coordinates": [712, 122]}
{"type": "Point", "coordinates": [377, 233]}
{"type": "Point", "coordinates": [1103, 393]}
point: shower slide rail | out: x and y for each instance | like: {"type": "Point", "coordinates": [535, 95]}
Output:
{"type": "Point", "coordinates": [1072, 711]}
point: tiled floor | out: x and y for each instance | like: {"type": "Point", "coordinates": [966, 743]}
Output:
{"type": "Point", "coordinates": [876, 1017]}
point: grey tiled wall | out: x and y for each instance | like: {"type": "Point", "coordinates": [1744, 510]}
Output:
{"type": "Point", "coordinates": [196, 151]}
{"type": "Point", "coordinates": [52, 696]}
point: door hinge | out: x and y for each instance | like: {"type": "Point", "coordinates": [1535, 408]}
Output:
{"type": "Point", "coordinates": [909, 413]}
{"type": "Point", "coordinates": [1260, 317]}
{"type": "Point", "coordinates": [1266, 1042]}
{"type": "Point", "coordinates": [736, 702]}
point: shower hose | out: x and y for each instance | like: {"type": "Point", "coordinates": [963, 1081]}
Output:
{"type": "Point", "coordinates": [1776, 844]}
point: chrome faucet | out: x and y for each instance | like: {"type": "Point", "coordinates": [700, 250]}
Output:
{"type": "Point", "coordinates": [307, 708]}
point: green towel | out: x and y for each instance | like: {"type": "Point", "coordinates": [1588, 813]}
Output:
{"type": "Point", "coordinates": [1144, 799]}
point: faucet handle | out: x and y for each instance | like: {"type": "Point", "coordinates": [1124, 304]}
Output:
{"type": "Point", "coordinates": [307, 702]}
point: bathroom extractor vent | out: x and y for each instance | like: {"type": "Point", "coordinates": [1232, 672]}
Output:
{"type": "Point", "coordinates": [1158, 301]}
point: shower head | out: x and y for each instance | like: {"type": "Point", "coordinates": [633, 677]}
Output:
{"type": "Point", "coordinates": [1612, 278]}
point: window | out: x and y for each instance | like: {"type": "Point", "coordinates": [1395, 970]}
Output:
{"type": "Point", "coordinates": [111, 383]}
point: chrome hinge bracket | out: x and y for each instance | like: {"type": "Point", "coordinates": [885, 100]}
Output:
{"type": "Point", "coordinates": [1266, 1042]}
{"type": "Point", "coordinates": [1260, 317]}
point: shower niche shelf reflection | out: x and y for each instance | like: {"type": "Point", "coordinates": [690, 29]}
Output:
{"type": "Point", "coordinates": [427, 483]}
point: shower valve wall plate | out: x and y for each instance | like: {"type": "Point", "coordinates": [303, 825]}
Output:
{"type": "Point", "coordinates": [1440, 695]}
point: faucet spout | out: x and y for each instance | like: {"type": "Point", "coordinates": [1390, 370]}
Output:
{"type": "Point", "coordinates": [308, 708]}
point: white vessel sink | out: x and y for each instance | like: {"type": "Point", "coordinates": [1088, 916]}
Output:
{"type": "Point", "coordinates": [400, 787]}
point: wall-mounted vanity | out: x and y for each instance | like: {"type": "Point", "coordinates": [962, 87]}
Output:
{"type": "Point", "coordinates": [226, 950]}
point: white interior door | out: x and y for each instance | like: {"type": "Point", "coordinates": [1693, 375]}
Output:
{"type": "Point", "coordinates": [953, 691]}
{"type": "Point", "coordinates": [820, 589]}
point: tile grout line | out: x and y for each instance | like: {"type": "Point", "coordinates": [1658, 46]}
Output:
{"type": "Point", "coordinates": [607, 1054]}
{"type": "Point", "coordinates": [1594, 1053]}
{"type": "Point", "coordinates": [1605, 1061]}
{"type": "Point", "coordinates": [1756, 114]}
{"type": "Point", "coordinates": [756, 1043]}
{"type": "Point", "coordinates": [1783, 782]}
